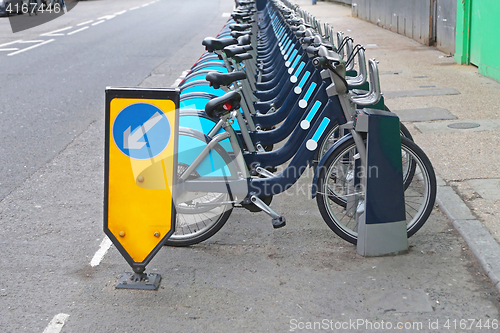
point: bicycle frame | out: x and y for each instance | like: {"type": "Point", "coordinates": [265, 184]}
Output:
{"type": "Point", "coordinates": [241, 185]}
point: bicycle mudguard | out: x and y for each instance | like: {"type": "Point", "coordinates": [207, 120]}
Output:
{"type": "Point", "coordinates": [197, 103]}
{"type": "Point", "coordinates": [201, 74]}
{"type": "Point", "coordinates": [204, 88]}
{"type": "Point", "coordinates": [190, 147]}
{"type": "Point", "coordinates": [322, 162]}
{"type": "Point", "coordinates": [221, 69]}
{"type": "Point", "coordinates": [201, 122]}
{"type": "Point", "coordinates": [208, 64]}
{"type": "Point", "coordinates": [194, 78]}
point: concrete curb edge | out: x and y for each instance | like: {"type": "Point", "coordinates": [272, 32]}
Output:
{"type": "Point", "coordinates": [481, 242]}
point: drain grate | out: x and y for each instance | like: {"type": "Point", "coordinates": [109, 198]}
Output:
{"type": "Point", "coordinates": [463, 125]}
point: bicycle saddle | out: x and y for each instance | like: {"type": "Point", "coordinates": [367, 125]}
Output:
{"type": "Point", "coordinates": [244, 11]}
{"type": "Point", "coordinates": [242, 17]}
{"type": "Point", "coordinates": [240, 27]}
{"type": "Point", "coordinates": [232, 51]}
{"type": "Point", "coordinates": [243, 56]}
{"type": "Point", "coordinates": [211, 44]}
{"type": "Point", "coordinates": [295, 21]}
{"type": "Point", "coordinates": [243, 3]}
{"type": "Point", "coordinates": [237, 34]}
{"type": "Point", "coordinates": [244, 40]}
{"type": "Point", "coordinates": [222, 105]}
{"type": "Point", "coordinates": [300, 33]}
{"type": "Point", "coordinates": [218, 79]}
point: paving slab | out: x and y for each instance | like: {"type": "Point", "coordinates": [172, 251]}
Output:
{"type": "Point", "coordinates": [424, 114]}
{"type": "Point", "coordinates": [420, 93]}
{"type": "Point", "coordinates": [399, 300]}
{"type": "Point", "coordinates": [486, 188]}
{"type": "Point", "coordinates": [390, 72]}
{"type": "Point", "coordinates": [444, 126]}
{"type": "Point", "coordinates": [458, 155]}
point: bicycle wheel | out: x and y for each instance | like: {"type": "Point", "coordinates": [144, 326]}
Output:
{"type": "Point", "coordinates": [200, 215]}
{"type": "Point", "coordinates": [334, 135]}
{"type": "Point", "coordinates": [335, 184]}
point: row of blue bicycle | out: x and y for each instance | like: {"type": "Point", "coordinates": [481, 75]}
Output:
{"type": "Point", "coordinates": [274, 94]}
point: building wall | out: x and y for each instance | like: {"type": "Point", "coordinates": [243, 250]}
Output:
{"type": "Point", "coordinates": [426, 21]}
{"type": "Point", "coordinates": [446, 22]}
{"type": "Point", "coordinates": [347, 2]}
{"type": "Point", "coordinates": [478, 33]}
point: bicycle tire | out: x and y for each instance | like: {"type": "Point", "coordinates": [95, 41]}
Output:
{"type": "Point", "coordinates": [334, 215]}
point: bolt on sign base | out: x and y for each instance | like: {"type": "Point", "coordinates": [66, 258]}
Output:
{"type": "Point", "coordinates": [144, 281]}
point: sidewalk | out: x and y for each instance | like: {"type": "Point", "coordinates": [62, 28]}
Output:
{"type": "Point", "coordinates": [466, 159]}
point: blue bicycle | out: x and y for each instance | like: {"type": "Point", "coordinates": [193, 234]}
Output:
{"type": "Point", "coordinates": [221, 165]}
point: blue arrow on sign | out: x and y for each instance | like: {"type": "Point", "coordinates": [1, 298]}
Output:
{"type": "Point", "coordinates": [141, 131]}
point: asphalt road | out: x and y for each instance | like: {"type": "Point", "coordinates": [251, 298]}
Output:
{"type": "Point", "coordinates": [51, 93]}
{"type": "Point", "coordinates": [247, 278]}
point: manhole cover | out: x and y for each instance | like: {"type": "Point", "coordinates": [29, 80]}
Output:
{"type": "Point", "coordinates": [463, 125]}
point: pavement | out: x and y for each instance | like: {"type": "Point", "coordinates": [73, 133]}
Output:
{"type": "Point", "coordinates": [453, 113]}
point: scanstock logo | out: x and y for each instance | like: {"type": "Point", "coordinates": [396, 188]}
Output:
{"type": "Point", "coordinates": [26, 14]}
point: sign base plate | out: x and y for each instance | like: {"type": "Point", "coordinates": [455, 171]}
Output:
{"type": "Point", "coordinates": [144, 281]}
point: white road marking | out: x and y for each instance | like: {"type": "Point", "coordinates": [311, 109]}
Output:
{"type": "Point", "coordinates": [11, 49]}
{"type": "Point", "coordinates": [146, 4]}
{"type": "Point", "coordinates": [226, 14]}
{"type": "Point", "coordinates": [98, 22]}
{"type": "Point", "coordinates": [179, 80]}
{"type": "Point", "coordinates": [106, 17]}
{"type": "Point", "coordinates": [31, 47]}
{"type": "Point", "coordinates": [103, 248]}
{"type": "Point", "coordinates": [30, 41]}
{"type": "Point", "coordinates": [83, 23]}
{"type": "Point", "coordinates": [74, 32]}
{"type": "Point", "coordinates": [57, 323]}
{"type": "Point", "coordinates": [10, 43]}
{"type": "Point", "coordinates": [134, 8]}
{"type": "Point", "coordinates": [55, 32]}
{"type": "Point", "coordinates": [119, 13]}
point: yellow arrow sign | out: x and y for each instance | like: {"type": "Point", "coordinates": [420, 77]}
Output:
{"type": "Point", "coordinates": [141, 145]}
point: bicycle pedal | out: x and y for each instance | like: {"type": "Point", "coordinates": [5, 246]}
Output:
{"type": "Point", "coordinates": [279, 222]}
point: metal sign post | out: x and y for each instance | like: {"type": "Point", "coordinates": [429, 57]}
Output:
{"type": "Point", "coordinates": [141, 149]}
